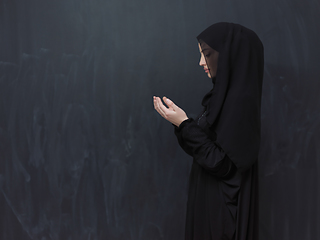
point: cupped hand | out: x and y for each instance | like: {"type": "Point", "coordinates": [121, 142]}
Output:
{"type": "Point", "coordinates": [172, 113]}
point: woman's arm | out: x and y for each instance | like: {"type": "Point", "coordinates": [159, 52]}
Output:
{"type": "Point", "coordinates": [182, 143]}
{"type": "Point", "coordinates": [205, 152]}
{"type": "Point", "coordinates": [195, 141]}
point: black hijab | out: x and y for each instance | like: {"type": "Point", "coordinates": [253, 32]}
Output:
{"type": "Point", "coordinates": [233, 105]}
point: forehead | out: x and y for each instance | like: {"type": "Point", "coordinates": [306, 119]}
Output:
{"type": "Point", "coordinates": [203, 46]}
{"type": "Point", "coordinates": [199, 46]}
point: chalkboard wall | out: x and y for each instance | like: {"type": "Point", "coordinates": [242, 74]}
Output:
{"type": "Point", "coordinates": [83, 154]}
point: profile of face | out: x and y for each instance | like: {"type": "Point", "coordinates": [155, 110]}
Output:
{"type": "Point", "coordinates": [209, 59]}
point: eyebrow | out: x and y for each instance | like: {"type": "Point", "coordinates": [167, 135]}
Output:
{"type": "Point", "coordinates": [205, 49]}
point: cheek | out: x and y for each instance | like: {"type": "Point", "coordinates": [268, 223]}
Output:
{"type": "Point", "coordinates": [214, 65]}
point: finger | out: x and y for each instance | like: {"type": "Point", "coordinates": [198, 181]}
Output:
{"type": "Point", "coordinates": [160, 107]}
{"type": "Point", "coordinates": [155, 102]}
{"type": "Point", "coordinates": [161, 103]}
{"type": "Point", "coordinates": [169, 103]}
{"type": "Point", "coordinates": [163, 108]}
{"type": "Point", "coordinates": [165, 100]}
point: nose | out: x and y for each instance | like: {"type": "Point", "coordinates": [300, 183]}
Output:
{"type": "Point", "coordinates": [202, 61]}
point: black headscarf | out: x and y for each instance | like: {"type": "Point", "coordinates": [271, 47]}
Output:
{"type": "Point", "coordinates": [233, 105]}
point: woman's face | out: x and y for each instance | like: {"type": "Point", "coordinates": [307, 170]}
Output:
{"type": "Point", "coordinates": [208, 60]}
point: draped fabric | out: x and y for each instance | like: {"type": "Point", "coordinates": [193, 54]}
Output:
{"type": "Point", "coordinates": [234, 107]}
{"type": "Point", "coordinates": [224, 140]}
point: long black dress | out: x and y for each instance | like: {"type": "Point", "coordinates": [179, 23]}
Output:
{"type": "Point", "coordinates": [215, 211]}
{"type": "Point", "coordinates": [223, 185]}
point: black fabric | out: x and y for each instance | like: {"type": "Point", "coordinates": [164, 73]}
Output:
{"type": "Point", "coordinates": [234, 107]}
{"type": "Point", "coordinates": [223, 183]}
{"type": "Point", "coordinates": [214, 184]}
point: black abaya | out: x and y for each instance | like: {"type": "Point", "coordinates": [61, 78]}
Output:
{"type": "Point", "coordinates": [217, 209]}
{"type": "Point", "coordinates": [224, 140]}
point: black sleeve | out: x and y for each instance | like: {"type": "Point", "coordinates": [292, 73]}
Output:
{"type": "Point", "coordinates": [178, 133]}
{"type": "Point", "coordinates": [205, 152]}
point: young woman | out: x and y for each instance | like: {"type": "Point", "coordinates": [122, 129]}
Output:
{"type": "Point", "coordinates": [224, 139]}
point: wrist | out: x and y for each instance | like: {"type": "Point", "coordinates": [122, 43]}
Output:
{"type": "Point", "coordinates": [184, 119]}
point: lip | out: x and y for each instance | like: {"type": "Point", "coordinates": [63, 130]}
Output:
{"type": "Point", "coordinates": [206, 70]}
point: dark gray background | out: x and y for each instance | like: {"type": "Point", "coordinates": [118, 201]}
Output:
{"type": "Point", "coordinates": [83, 154]}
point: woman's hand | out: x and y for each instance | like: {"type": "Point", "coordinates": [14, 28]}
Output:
{"type": "Point", "coordinates": [172, 113]}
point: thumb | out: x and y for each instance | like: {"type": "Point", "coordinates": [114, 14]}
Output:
{"type": "Point", "coordinates": [169, 103]}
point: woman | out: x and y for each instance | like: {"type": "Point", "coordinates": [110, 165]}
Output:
{"type": "Point", "coordinates": [224, 139]}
